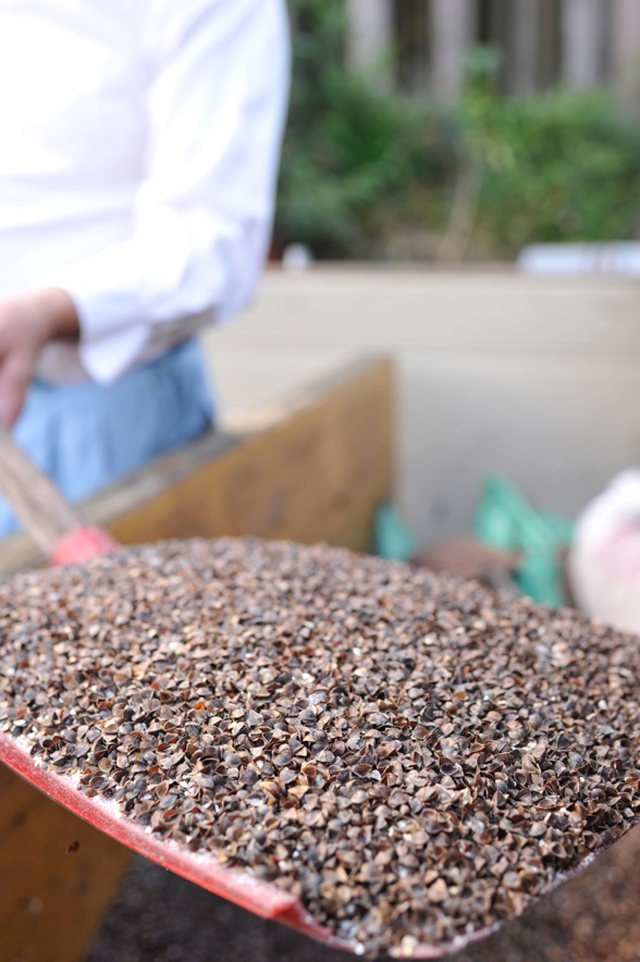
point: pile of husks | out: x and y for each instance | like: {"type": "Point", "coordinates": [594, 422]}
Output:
{"type": "Point", "coordinates": [415, 757]}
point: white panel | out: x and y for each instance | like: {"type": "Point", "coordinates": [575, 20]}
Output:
{"type": "Point", "coordinates": [533, 377]}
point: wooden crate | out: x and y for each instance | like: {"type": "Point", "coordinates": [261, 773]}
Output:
{"type": "Point", "coordinates": [310, 467]}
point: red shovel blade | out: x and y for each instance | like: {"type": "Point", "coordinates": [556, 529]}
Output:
{"type": "Point", "coordinates": [261, 898]}
{"type": "Point", "coordinates": [253, 894]}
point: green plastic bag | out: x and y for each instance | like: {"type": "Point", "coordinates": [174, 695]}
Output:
{"type": "Point", "coordinates": [393, 539]}
{"type": "Point", "coordinates": [506, 520]}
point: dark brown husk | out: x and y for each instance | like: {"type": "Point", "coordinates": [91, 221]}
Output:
{"type": "Point", "coordinates": [413, 756]}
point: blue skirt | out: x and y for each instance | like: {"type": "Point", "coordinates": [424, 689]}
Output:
{"type": "Point", "coordinates": [85, 436]}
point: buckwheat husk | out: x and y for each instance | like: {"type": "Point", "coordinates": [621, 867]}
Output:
{"type": "Point", "coordinates": [413, 756]}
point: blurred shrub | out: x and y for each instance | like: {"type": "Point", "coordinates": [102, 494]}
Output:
{"type": "Point", "coordinates": [569, 170]}
{"type": "Point", "coordinates": [556, 166]}
{"type": "Point", "coordinates": [357, 162]}
{"type": "Point", "coordinates": [363, 168]}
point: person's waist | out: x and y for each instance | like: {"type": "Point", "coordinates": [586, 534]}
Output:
{"type": "Point", "coordinates": [59, 361]}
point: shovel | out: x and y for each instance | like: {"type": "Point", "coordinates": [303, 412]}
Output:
{"type": "Point", "coordinates": [53, 524]}
{"type": "Point", "coordinates": [66, 538]}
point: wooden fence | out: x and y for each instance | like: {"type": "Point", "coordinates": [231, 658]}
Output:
{"type": "Point", "coordinates": [421, 44]}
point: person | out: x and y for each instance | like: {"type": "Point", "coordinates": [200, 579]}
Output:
{"type": "Point", "coordinates": [140, 146]}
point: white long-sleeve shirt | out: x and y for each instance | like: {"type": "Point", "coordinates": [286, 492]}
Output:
{"type": "Point", "coordinates": [139, 142]}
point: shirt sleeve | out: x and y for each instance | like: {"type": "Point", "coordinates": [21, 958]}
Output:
{"type": "Point", "coordinates": [203, 213]}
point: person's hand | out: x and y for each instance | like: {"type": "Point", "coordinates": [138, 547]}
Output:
{"type": "Point", "coordinates": [27, 322]}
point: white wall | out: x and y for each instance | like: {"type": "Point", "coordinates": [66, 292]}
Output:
{"type": "Point", "coordinates": [539, 379]}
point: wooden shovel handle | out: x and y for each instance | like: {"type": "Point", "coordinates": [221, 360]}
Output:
{"type": "Point", "coordinates": [35, 499]}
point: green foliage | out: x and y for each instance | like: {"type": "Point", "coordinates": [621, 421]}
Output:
{"type": "Point", "coordinates": [355, 159]}
{"type": "Point", "coordinates": [560, 166]}
{"type": "Point", "coordinates": [570, 170]}
{"type": "Point", "coordinates": [356, 168]}
{"type": "Point", "coordinates": [361, 166]}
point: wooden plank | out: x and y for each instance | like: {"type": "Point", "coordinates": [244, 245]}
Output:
{"type": "Point", "coordinates": [582, 43]}
{"type": "Point", "coordinates": [370, 38]}
{"type": "Point", "coordinates": [19, 553]}
{"type": "Point", "coordinates": [312, 466]}
{"type": "Point", "coordinates": [523, 72]}
{"type": "Point", "coordinates": [316, 474]}
{"type": "Point", "coordinates": [549, 50]}
{"type": "Point", "coordinates": [497, 32]}
{"type": "Point", "coordinates": [452, 32]}
{"type": "Point", "coordinates": [626, 53]}
{"type": "Point", "coordinates": [58, 876]}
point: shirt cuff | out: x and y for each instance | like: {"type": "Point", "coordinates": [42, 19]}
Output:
{"type": "Point", "coordinates": [113, 354]}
